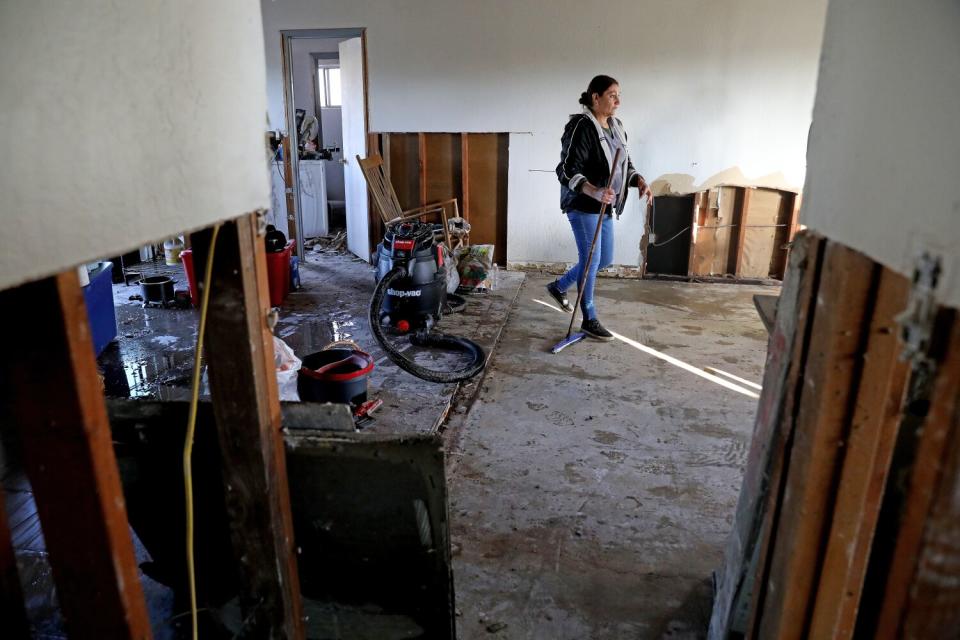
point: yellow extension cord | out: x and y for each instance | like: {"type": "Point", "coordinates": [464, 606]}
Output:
{"type": "Point", "coordinates": [191, 427]}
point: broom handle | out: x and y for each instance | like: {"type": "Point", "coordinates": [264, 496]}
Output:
{"type": "Point", "coordinates": [593, 245]}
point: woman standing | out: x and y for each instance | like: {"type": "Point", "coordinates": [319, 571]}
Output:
{"type": "Point", "coordinates": [590, 141]}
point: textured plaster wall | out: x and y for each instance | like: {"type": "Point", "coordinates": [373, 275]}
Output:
{"type": "Point", "coordinates": [125, 123]}
{"type": "Point", "coordinates": [712, 91]}
{"type": "Point", "coordinates": [885, 143]}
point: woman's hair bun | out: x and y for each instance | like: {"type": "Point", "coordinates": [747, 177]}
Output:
{"type": "Point", "coordinates": [585, 99]}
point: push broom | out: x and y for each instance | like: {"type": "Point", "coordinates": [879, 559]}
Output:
{"type": "Point", "coordinates": [573, 338]}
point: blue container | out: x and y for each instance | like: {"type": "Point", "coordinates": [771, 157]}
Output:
{"type": "Point", "coordinates": [99, 298]}
{"type": "Point", "coordinates": [294, 273]}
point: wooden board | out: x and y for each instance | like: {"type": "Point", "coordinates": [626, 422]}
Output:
{"type": "Point", "coordinates": [56, 403]}
{"type": "Point", "coordinates": [741, 209]}
{"type": "Point", "coordinates": [737, 232]}
{"type": "Point", "coordinates": [788, 216]}
{"type": "Point", "coordinates": [715, 235]}
{"type": "Point", "coordinates": [762, 218]}
{"type": "Point", "coordinates": [917, 476]}
{"type": "Point", "coordinates": [442, 162]}
{"type": "Point", "coordinates": [766, 306]}
{"type": "Point", "coordinates": [404, 172]}
{"type": "Point", "coordinates": [866, 462]}
{"type": "Point", "coordinates": [830, 382]}
{"type": "Point", "coordinates": [933, 607]}
{"type": "Point", "coordinates": [486, 165]}
{"type": "Point", "coordinates": [243, 388]}
{"type": "Point", "coordinates": [759, 494]}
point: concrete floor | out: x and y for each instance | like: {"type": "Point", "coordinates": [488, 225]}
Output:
{"type": "Point", "coordinates": [592, 490]}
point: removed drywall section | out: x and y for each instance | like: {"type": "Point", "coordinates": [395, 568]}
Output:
{"type": "Point", "coordinates": [125, 123]}
{"type": "Point", "coordinates": [885, 144]}
{"type": "Point", "coordinates": [707, 86]}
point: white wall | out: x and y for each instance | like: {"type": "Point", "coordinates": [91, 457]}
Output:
{"type": "Point", "coordinates": [885, 143]}
{"type": "Point", "coordinates": [124, 123]}
{"type": "Point", "coordinates": [712, 91]}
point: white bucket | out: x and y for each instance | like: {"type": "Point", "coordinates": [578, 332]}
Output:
{"type": "Point", "coordinates": [171, 251]}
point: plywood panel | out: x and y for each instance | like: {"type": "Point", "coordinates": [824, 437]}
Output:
{"type": "Point", "coordinates": [761, 218]}
{"type": "Point", "coordinates": [933, 610]}
{"type": "Point", "coordinates": [866, 463]}
{"type": "Point", "coordinates": [789, 216]}
{"type": "Point", "coordinates": [486, 166]}
{"type": "Point", "coordinates": [712, 249]}
{"type": "Point", "coordinates": [912, 510]}
{"type": "Point", "coordinates": [442, 166]}
{"type": "Point", "coordinates": [404, 168]}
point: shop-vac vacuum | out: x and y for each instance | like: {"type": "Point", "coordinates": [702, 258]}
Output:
{"type": "Point", "coordinates": [411, 297]}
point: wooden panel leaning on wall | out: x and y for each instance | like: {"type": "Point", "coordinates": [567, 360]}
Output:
{"type": "Point", "coordinates": [471, 167]}
{"type": "Point", "coordinates": [731, 231]}
{"type": "Point", "coordinates": [846, 525]}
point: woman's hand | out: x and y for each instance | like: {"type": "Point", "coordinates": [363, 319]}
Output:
{"type": "Point", "coordinates": [604, 194]}
{"type": "Point", "coordinates": [645, 190]}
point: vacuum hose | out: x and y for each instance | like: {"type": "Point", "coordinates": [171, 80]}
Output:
{"type": "Point", "coordinates": [423, 338]}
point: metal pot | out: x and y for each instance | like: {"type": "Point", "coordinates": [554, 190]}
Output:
{"type": "Point", "coordinates": [157, 290]}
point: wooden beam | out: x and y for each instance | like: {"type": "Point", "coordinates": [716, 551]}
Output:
{"type": "Point", "coordinates": [794, 216]}
{"type": "Point", "coordinates": [422, 167]}
{"type": "Point", "coordinates": [742, 207]}
{"type": "Point", "coordinates": [843, 311]}
{"type": "Point", "coordinates": [56, 404]}
{"type": "Point", "coordinates": [11, 595]}
{"type": "Point", "coordinates": [933, 607]}
{"type": "Point", "coordinates": [865, 466]}
{"type": "Point", "coordinates": [465, 175]}
{"type": "Point", "coordinates": [243, 388]}
{"type": "Point", "coordinates": [696, 219]}
{"type": "Point", "coordinates": [920, 552]}
{"type": "Point", "coordinates": [290, 180]}
{"type": "Point", "coordinates": [375, 226]}
{"type": "Point", "coordinates": [385, 154]}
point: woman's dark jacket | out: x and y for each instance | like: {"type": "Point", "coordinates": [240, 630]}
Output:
{"type": "Point", "coordinates": [586, 157]}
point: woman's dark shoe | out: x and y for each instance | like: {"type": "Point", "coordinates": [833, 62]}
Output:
{"type": "Point", "coordinates": [559, 296]}
{"type": "Point", "coordinates": [595, 330]}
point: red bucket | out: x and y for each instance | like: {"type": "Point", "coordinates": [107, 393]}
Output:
{"type": "Point", "coordinates": [335, 375]}
{"type": "Point", "coordinates": [278, 274]}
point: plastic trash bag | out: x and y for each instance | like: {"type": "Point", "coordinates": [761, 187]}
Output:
{"type": "Point", "coordinates": [476, 268]}
{"type": "Point", "coordinates": [453, 276]}
{"type": "Point", "coordinates": [288, 366]}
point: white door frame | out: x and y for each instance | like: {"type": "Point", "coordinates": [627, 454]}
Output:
{"type": "Point", "coordinates": [287, 36]}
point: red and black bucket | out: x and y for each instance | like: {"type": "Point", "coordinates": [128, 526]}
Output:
{"type": "Point", "coordinates": [335, 375]}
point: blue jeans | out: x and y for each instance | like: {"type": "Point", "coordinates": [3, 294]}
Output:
{"type": "Point", "coordinates": [584, 226]}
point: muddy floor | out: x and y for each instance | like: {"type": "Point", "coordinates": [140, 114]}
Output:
{"type": "Point", "coordinates": [592, 490]}
{"type": "Point", "coordinates": [152, 357]}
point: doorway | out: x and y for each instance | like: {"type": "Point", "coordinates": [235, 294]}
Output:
{"type": "Point", "coordinates": [318, 189]}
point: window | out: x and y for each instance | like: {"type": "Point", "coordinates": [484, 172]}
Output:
{"type": "Point", "coordinates": [328, 85]}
